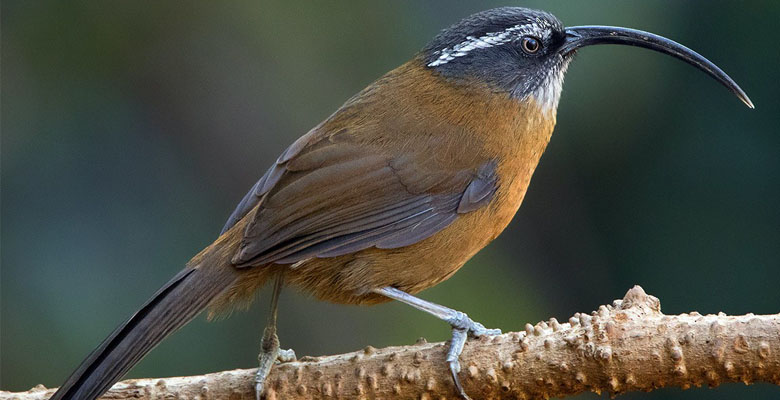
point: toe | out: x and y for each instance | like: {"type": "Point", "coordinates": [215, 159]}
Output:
{"type": "Point", "coordinates": [478, 329]}
{"type": "Point", "coordinates": [286, 355]}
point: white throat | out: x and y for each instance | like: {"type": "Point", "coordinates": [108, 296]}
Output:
{"type": "Point", "coordinates": [548, 93]}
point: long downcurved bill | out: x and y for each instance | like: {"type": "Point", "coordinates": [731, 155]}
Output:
{"type": "Point", "coordinates": [581, 36]}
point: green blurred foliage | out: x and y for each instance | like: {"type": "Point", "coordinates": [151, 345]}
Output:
{"type": "Point", "coordinates": [131, 129]}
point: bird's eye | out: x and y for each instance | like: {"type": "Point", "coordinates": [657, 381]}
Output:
{"type": "Point", "coordinates": [530, 44]}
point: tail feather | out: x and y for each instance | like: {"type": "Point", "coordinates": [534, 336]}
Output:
{"type": "Point", "coordinates": [175, 304]}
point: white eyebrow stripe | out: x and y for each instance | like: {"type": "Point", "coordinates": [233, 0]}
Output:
{"type": "Point", "coordinates": [490, 39]}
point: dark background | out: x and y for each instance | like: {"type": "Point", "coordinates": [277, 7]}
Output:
{"type": "Point", "coordinates": [131, 129]}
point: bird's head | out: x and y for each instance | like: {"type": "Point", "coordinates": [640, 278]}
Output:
{"type": "Point", "coordinates": [525, 53]}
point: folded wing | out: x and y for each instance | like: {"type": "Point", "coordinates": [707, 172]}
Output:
{"type": "Point", "coordinates": [329, 197]}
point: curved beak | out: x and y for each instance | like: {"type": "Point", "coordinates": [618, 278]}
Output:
{"type": "Point", "coordinates": [581, 36]}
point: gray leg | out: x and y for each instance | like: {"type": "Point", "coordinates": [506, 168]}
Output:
{"type": "Point", "coordinates": [462, 327]}
{"type": "Point", "coordinates": [269, 347]}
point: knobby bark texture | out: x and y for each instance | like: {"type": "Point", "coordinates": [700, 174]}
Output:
{"type": "Point", "coordinates": [626, 346]}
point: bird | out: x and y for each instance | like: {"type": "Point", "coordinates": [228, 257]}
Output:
{"type": "Point", "coordinates": [392, 193]}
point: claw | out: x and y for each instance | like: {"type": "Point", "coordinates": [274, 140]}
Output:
{"type": "Point", "coordinates": [454, 369]}
{"type": "Point", "coordinates": [259, 388]}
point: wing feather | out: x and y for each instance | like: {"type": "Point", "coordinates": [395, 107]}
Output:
{"type": "Point", "coordinates": [326, 198]}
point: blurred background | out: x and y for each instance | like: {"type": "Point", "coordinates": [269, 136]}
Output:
{"type": "Point", "coordinates": [130, 130]}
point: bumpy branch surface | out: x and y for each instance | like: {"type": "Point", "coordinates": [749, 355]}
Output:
{"type": "Point", "coordinates": [627, 346]}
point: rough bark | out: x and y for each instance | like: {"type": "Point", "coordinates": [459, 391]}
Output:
{"type": "Point", "coordinates": [627, 346]}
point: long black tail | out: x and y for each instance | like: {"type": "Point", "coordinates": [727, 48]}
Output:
{"type": "Point", "coordinates": [175, 304]}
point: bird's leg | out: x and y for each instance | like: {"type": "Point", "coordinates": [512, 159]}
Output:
{"type": "Point", "coordinates": [462, 327]}
{"type": "Point", "coordinates": [269, 347]}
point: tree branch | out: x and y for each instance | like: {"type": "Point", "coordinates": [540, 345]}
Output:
{"type": "Point", "coordinates": [627, 346]}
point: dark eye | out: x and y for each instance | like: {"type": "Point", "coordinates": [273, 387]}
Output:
{"type": "Point", "coordinates": [530, 44]}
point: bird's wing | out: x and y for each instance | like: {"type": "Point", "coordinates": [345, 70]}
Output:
{"type": "Point", "coordinates": [268, 180]}
{"type": "Point", "coordinates": [326, 197]}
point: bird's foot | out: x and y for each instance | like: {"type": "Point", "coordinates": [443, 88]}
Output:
{"type": "Point", "coordinates": [269, 354]}
{"type": "Point", "coordinates": [462, 328]}
{"type": "Point", "coordinates": [266, 361]}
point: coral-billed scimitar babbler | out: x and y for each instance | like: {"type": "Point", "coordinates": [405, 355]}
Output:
{"type": "Point", "coordinates": [392, 193]}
